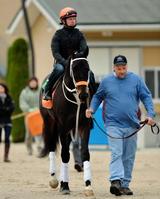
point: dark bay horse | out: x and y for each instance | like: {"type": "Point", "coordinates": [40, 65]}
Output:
{"type": "Point", "coordinates": [70, 100]}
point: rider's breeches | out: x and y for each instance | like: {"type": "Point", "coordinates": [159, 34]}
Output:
{"type": "Point", "coordinates": [7, 130]}
{"type": "Point", "coordinates": [122, 154]}
{"type": "Point", "coordinates": [53, 77]}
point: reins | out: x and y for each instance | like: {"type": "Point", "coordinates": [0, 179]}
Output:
{"type": "Point", "coordinates": [142, 124]}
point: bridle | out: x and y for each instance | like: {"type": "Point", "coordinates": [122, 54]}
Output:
{"type": "Point", "coordinates": [75, 93]}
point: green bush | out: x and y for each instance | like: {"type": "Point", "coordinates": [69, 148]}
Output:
{"type": "Point", "coordinates": [16, 78]}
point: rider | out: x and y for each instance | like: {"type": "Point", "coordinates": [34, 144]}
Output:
{"type": "Point", "coordinates": [64, 42]}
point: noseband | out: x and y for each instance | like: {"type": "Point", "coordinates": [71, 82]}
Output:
{"type": "Point", "coordinates": [81, 83]}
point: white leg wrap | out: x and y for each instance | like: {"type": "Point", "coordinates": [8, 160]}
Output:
{"type": "Point", "coordinates": [52, 163]}
{"type": "Point", "coordinates": [64, 175]}
{"type": "Point", "coordinates": [87, 171]}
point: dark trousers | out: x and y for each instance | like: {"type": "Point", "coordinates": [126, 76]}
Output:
{"type": "Point", "coordinates": [7, 130]}
{"type": "Point", "coordinates": [53, 77]}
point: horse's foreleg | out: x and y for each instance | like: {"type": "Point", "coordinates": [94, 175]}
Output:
{"type": "Point", "coordinates": [64, 170]}
{"type": "Point", "coordinates": [87, 176]}
{"type": "Point", "coordinates": [52, 170]}
{"type": "Point", "coordinates": [64, 173]}
{"type": "Point", "coordinates": [87, 173]}
{"type": "Point", "coordinates": [86, 159]}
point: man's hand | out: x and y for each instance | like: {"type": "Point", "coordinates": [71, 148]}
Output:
{"type": "Point", "coordinates": [89, 112]}
{"type": "Point", "coordinates": [150, 122]}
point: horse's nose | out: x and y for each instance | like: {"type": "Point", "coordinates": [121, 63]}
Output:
{"type": "Point", "coordinates": [83, 96]}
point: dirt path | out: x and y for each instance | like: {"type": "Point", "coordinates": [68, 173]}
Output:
{"type": "Point", "coordinates": [26, 177]}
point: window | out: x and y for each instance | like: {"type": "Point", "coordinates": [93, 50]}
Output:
{"type": "Point", "coordinates": [158, 84]}
{"type": "Point", "coordinates": [152, 79]}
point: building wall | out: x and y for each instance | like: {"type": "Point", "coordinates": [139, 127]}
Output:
{"type": "Point", "coordinates": [42, 34]}
{"type": "Point", "coordinates": [151, 56]}
{"type": "Point", "coordinates": [101, 59]}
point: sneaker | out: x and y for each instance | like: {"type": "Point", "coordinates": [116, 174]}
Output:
{"type": "Point", "coordinates": [115, 187]}
{"type": "Point", "coordinates": [126, 191]}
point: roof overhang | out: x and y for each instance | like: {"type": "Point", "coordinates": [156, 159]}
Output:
{"type": "Point", "coordinates": [121, 27]}
{"type": "Point", "coordinates": [84, 27]}
{"type": "Point", "coordinates": [19, 17]}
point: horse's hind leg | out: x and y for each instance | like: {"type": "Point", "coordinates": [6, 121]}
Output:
{"type": "Point", "coordinates": [86, 164]}
{"type": "Point", "coordinates": [65, 156]}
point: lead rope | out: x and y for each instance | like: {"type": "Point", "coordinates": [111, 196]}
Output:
{"type": "Point", "coordinates": [143, 123]}
{"type": "Point", "coordinates": [78, 103]}
{"type": "Point", "coordinates": [75, 137]}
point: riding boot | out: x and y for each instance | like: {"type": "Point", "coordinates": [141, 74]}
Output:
{"type": "Point", "coordinates": [47, 91]}
{"type": "Point", "coordinates": [50, 81]}
{"type": "Point", "coordinates": [6, 152]}
{"type": "Point", "coordinates": [48, 84]}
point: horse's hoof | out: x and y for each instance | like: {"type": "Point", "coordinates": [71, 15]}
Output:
{"type": "Point", "coordinates": [53, 183]}
{"type": "Point", "coordinates": [65, 192]}
{"type": "Point", "coordinates": [64, 188]}
{"type": "Point", "coordinates": [89, 191]}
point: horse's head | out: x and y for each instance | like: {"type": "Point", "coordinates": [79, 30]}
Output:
{"type": "Point", "coordinates": [79, 72]}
